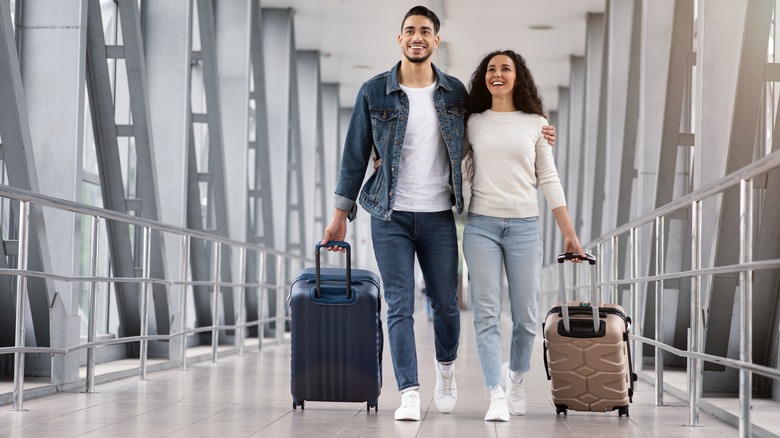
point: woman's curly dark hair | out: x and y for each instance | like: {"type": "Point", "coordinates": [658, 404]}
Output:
{"type": "Point", "coordinates": [525, 95]}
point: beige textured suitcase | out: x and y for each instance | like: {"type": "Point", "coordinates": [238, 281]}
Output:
{"type": "Point", "coordinates": [586, 353]}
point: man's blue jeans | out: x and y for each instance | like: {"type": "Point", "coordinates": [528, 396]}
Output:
{"type": "Point", "coordinates": [490, 244]}
{"type": "Point", "coordinates": [432, 236]}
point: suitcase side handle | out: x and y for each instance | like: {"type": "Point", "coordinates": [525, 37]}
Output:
{"type": "Point", "coordinates": [331, 244]}
{"type": "Point", "coordinates": [591, 259]}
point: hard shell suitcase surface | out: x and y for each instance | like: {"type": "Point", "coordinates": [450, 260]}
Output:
{"type": "Point", "coordinates": [336, 334]}
{"type": "Point", "coordinates": [586, 353]}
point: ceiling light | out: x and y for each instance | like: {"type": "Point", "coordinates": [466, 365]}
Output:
{"type": "Point", "coordinates": [540, 27]}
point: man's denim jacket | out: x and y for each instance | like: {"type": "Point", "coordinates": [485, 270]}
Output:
{"type": "Point", "coordinates": [379, 120]}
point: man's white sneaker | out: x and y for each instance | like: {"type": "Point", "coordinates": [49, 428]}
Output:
{"type": "Point", "coordinates": [445, 394]}
{"type": "Point", "coordinates": [498, 411]}
{"type": "Point", "coordinates": [410, 407]}
{"type": "Point", "coordinates": [515, 393]}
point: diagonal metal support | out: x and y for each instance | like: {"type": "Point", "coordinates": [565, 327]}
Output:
{"type": "Point", "coordinates": [261, 218]}
{"type": "Point", "coordinates": [750, 81]}
{"type": "Point", "coordinates": [310, 111]}
{"type": "Point", "coordinates": [284, 126]}
{"type": "Point", "coordinates": [135, 63]}
{"type": "Point", "coordinates": [20, 165]}
{"type": "Point", "coordinates": [113, 188]}
{"type": "Point", "coordinates": [766, 283]}
{"type": "Point", "coordinates": [216, 219]}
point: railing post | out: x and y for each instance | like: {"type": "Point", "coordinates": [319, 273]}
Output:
{"type": "Point", "coordinates": [745, 305]}
{"type": "Point", "coordinates": [659, 310]}
{"type": "Point", "coordinates": [241, 300]}
{"type": "Point", "coordinates": [260, 300]}
{"type": "Point", "coordinates": [635, 345]}
{"type": "Point", "coordinates": [694, 367]}
{"type": "Point", "coordinates": [215, 301]}
{"type": "Point", "coordinates": [21, 301]}
{"type": "Point", "coordinates": [145, 287]}
{"type": "Point", "coordinates": [185, 263]}
{"type": "Point", "coordinates": [92, 328]}
{"type": "Point", "coordinates": [280, 314]}
{"type": "Point", "coordinates": [614, 263]}
{"type": "Point", "coordinates": [602, 293]}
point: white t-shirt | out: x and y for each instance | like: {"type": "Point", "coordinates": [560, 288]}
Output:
{"type": "Point", "coordinates": [424, 170]}
{"type": "Point", "coordinates": [511, 158]}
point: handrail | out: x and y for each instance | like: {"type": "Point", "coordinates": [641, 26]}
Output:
{"type": "Point", "coordinates": [88, 210]}
{"type": "Point", "coordinates": [744, 179]}
{"type": "Point", "coordinates": [26, 198]}
{"type": "Point", "coordinates": [752, 170]}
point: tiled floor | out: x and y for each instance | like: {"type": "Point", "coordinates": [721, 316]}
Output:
{"type": "Point", "coordinates": [250, 396]}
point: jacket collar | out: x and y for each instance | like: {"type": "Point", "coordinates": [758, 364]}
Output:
{"type": "Point", "coordinates": [393, 84]}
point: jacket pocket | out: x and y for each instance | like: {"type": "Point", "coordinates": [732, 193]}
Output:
{"type": "Point", "coordinates": [456, 112]}
{"type": "Point", "coordinates": [383, 123]}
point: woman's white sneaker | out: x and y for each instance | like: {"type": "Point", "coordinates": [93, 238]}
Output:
{"type": "Point", "coordinates": [410, 407]}
{"type": "Point", "coordinates": [498, 411]}
{"type": "Point", "coordinates": [515, 393]}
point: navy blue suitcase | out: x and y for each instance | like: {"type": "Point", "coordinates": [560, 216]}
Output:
{"type": "Point", "coordinates": [336, 334]}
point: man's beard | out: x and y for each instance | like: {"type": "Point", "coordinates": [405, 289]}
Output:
{"type": "Point", "coordinates": [419, 59]}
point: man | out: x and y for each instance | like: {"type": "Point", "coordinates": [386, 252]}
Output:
{"type": "Point", "coordinates": [412, 116]}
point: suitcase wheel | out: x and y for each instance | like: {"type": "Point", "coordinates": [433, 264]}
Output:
{"type": "Point", "coordinates": [623, 410]}
{"type": "Point", "coordinates": [372, 404]}
{"type": "Point", "coordinates": [298, 402]}
{"type": "Point", "coordinates": [560, 409]}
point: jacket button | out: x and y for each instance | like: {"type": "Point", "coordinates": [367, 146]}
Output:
{"type": "Point", "coordinates": [390, 193]}
{"type": "Point", "coordinates": [392, 169]}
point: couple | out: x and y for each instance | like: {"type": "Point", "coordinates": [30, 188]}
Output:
{"type": "Point", "coordinates": [415, 116]}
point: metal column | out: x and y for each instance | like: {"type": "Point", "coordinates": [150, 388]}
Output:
{"type": "Point", "coordinates": [260, 193]}
{"type": "Point", "coordinates": [207, 168]}
{"type": "Point", "coordinates": [741, 150]}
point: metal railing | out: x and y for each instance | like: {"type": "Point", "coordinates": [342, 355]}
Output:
{"type": "Point", "coordinates": [608, 285]}
{"type": "Point", "coordinates": [285, 265]}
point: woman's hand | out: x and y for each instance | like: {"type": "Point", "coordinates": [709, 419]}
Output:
{"type": "Point", "coordinates": [377, 162]}
{"type": "Point", "coordinates": [572, 245]}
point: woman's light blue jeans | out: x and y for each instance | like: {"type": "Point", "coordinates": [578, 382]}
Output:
{"type": "Point", "coordinates": [490, 243]}
{"type": "Point", "coordinates": [433, 238]}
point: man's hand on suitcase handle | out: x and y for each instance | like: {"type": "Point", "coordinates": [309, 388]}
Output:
{"type": "Point", "coordinates": [336, 230]}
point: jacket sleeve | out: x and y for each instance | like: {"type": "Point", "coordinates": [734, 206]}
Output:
{"type": "Point", "coordinates": [357, 151]}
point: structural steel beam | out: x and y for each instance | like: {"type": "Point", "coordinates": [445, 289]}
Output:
{"type": "Point", "coordinates": [20, 165]}
{"type": "Point", "coordinates": [750, 81]}
{"type": "Point", "coordinates": [109, 162]}
{"type": "Point", "coordinates": [260, 211]}
{"type": "Point", "coordinates": [135, 63]}
{"type": "Point", "coordinates": [216, 207]}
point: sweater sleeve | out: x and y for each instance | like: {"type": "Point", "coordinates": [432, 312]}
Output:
{"type": "Point", "coordinates": [546, 172]}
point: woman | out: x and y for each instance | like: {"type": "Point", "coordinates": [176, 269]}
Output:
{"type": "Point", "coordinates": [508, 158]}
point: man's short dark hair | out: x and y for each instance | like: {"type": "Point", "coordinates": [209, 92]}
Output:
{"type": "Point", "coordinates": [425, 12]}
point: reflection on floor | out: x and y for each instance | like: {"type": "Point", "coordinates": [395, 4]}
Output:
{"type": "Point", "coordinates": [250, 396]}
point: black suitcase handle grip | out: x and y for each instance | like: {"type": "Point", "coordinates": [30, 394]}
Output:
{"type": "Point", "coordinates": [331, 244]}
{"type": "Point", "coordinates": [590, 258]}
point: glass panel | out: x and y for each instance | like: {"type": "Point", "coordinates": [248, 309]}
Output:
{"type": "Point", "coordinates": [91, 196]}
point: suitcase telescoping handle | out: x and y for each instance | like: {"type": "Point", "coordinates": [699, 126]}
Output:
{"type": "Point", "coordinates": [331, 244]}
{"type": "Point", "coordinates": [591, 259]}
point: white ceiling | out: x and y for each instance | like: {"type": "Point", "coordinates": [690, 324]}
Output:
{"type": "Point", "coordinates": [358, 38]}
